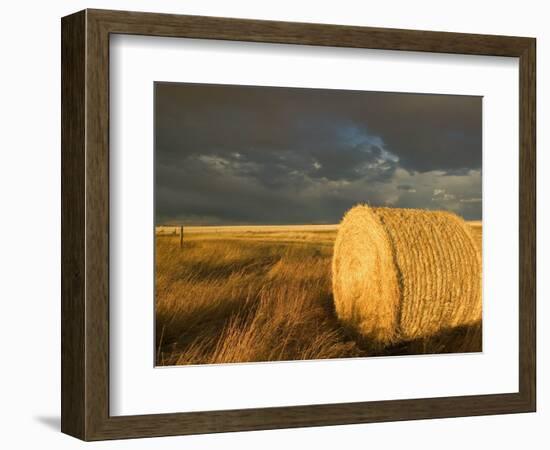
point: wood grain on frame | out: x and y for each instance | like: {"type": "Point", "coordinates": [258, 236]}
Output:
{"type": "Point", "coordinates": [85, 224]}
{"type": "Point", "coordinates": [72, 223]}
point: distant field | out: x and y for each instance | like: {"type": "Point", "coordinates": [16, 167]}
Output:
{"type": "Point", "coordinates": [247, 229]}
{"type": "Point", "coordinates": [477, 232]}
{"type": "Point", "coordinates": [255, 293]}
{"type": "Point", "coordinates": [289, 233]}
{"type": "Point", "coordinates": [273, 232]}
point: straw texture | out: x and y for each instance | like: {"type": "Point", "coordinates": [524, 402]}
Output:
{"type": "Point", "coordinates": [403, 274]}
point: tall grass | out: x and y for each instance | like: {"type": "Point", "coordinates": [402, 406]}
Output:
{"type": "Point", "coordinates": [222, 300]}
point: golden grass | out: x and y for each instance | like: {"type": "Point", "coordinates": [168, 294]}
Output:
{"type": "Point", "coordinates": [404, 274]}
{"type": "Point", "coordinates": [231, 299]}
{"type": "Point", "coordinates": [245, 294]}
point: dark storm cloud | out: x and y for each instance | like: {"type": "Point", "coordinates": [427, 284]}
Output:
{"type": "Point", "coordinates": [237, 154]}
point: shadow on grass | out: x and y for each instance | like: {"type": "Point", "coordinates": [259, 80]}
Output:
{"type": "Point", "coordinates": [461, 339]}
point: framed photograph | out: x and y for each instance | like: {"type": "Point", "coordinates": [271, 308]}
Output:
{"type": "Point", "coordinates": [272, 225]}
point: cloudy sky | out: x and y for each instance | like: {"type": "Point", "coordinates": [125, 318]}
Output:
{"type": "Point", "coordinates": [261, 155]}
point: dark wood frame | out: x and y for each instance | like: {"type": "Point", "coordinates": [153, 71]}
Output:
{"type": "Point", "coordinates": [85, 224]}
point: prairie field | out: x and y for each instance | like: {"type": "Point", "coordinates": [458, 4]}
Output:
{"type": "Point", "coordinates": [263, 293]}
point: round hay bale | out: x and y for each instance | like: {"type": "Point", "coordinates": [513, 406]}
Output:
{"type": "Point", "coordinates": [404, 274]}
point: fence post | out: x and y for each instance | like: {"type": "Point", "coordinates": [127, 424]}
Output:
{"type": "Point", "coordinates": [181, 236]}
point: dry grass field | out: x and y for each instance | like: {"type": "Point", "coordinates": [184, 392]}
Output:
{"type": "Point", "coordinates": [242, 294]}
